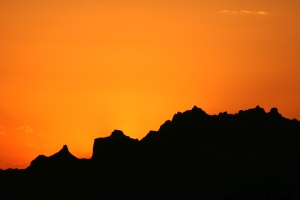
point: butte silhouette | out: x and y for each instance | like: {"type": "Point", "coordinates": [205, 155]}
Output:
{"type": "Point", "coordinates": [252, 154]}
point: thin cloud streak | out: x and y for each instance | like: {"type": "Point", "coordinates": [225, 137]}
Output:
{"type": "Point", "coordinates": [1, 131]}
{"type": "Point", "coordinates": [29, 144]}
{"type": "Point", "coordinates": [244, 12]}
{"type": "Point", "coordinates": [48, 145]}
{"type": "Point", "coordinates": [26, 129]}
{"type": "Point", "coordinates": [5, 162]}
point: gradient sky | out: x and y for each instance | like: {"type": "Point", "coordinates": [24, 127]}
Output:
{"type": "Point", "coordinates": [75, 70]}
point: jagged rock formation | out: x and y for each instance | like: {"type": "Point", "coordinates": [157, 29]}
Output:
{"type": "Point", "coordinates": [253, 154]}
{"type": "Point", "coordinates": [63, 159]}
{"type": "Point", "coordinates": [116, 146]}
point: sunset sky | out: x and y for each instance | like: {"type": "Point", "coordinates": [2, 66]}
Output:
{"type": "Point", "coordinates": [75, 70]}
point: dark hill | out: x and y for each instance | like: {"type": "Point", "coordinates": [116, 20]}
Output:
{"type": "Point", "coordinates": [253, 154]}
{"type": "Point", "coordinates": [63, 159]}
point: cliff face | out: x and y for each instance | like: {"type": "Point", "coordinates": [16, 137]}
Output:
{"type": "Point", "coordinates": [115, 149]}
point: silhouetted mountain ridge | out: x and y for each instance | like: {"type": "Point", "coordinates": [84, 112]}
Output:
{"type": "Point", "coordinates": [252, 154]}
{"type": "Point", "coordinates": [116, 146]}
{"type": "Point", "coordinates": [62, 159]}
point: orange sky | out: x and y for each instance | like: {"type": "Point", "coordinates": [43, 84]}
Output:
{"type": "Point", "coordinates": [75, 70]}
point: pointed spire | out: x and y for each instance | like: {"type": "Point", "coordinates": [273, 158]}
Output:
{"type": "Point", "coordinates": [64, 149]}
{"type": "Point", "coordinates": [63, 153]}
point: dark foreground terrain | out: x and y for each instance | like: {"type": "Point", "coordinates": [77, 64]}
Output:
{"type": "Point", "coordinates": [249, 155]}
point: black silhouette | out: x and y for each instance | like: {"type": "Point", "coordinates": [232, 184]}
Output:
{"type": "Point", "coordinates": [249, 155]}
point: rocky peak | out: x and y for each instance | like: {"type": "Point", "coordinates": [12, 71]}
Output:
{"type": "Point", "coordinates": [257, 110]}
{"type": "Point", "coordinates": [252, 112]}
{"type": "Point", "coordinates": [116, 144]}
{"type": "Point", "coordinates": [274, 113]}
{"type": "Point", "coordinates": [198, 111]}
{"type": "Point", "coordinates": [117, 134]}
{"type": "Point", "coordinates": [64, 153]}
{"type": "Point", "coordinates": [64, 149]}
{"type": "Point", "coordinates": [62, 157]}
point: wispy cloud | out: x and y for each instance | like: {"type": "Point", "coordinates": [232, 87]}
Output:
{"type": "Point", "coordinates": [5, 162]}
{"type": "Point", "coordinates": [1, 130]}
{"type": "Point", "coordinates": [26, 129]}
{"type": "Point", "coordinates": [48, 145]}
{"type": "Point", "coordinates": [8, 162]}
{"type": "Point", "coordinates": [19, 163]}
{"type": "Point", "coordinates": [244, 12]}
{"type": "Point", "coordinates": [29, 144]}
